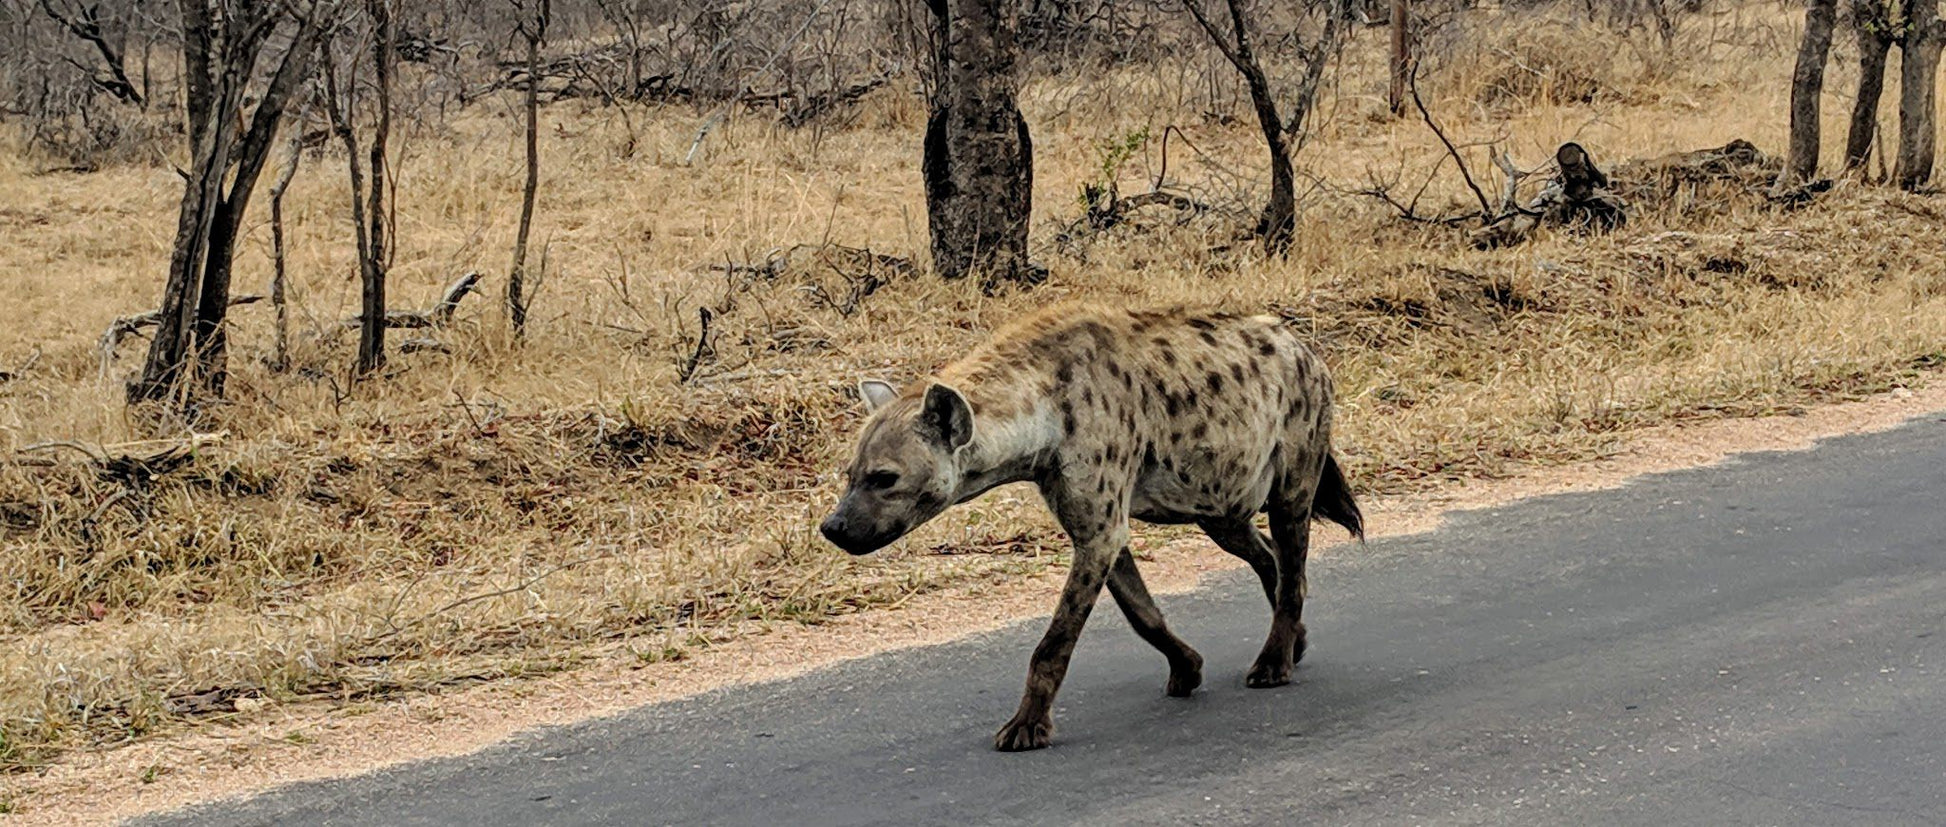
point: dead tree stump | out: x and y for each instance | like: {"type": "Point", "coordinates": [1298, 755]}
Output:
{"type": "Point", "coordinates": [1576, 197]}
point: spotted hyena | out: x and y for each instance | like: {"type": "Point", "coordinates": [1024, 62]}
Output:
{"type": "Point", "coordinates": [1172, 416]}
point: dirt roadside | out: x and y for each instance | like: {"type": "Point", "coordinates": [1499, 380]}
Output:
{"type": "Point", "coordinates": [298, 743]}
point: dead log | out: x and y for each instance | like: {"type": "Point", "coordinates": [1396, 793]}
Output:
{"type": "Point", "coordinates": [442, 312]}
{"type": "Point", "coordinates": [439, 315]}
{"type": "Point", "coordinates": [1576, 197]}
{"type": "Point", "coordinates": [1735, 166]}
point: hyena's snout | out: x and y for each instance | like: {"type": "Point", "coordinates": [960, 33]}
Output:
{"type": "Point", "coordinates": [853, 533]}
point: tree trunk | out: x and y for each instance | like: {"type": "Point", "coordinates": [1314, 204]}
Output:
{"type": "Point", "coordinates": [1874, 29]}
{"type": "Point", "coordinates": [371, 329]}
{"type": "Point", "coordinates": [196, 298]}
{"type": "Point", "coordinates": [535, 31]}
{"type": "Point", "coordinates": [172, 349]}
{"type": "Point", "coordinates": [1918, 73]}
{"type": "Point", "coordinates": [279, 279]}
{"type": "Point", "coordinates": [1807, 83]}
{"type": "Point", "coordinates": [1401, 55]}
{"type": "Point", "coordinates": [979, 163]}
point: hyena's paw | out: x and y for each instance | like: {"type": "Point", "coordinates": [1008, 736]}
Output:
{"type": "Point", "coordinates": [1266, 674]}
{"type": "Point", "coordinates": [1023, 733]}
{"type": "Point", "coordinates": [1185, 676]}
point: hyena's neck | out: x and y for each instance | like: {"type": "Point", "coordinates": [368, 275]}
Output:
{"type": "Point", "coordinates": [1011, 446]}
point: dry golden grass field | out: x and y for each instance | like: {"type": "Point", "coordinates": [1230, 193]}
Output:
{"type": "Point", "coordinates": [503, 510]}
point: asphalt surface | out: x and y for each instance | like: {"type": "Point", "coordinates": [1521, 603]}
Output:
{"type": "Point", "coordinates": [1758, 643]}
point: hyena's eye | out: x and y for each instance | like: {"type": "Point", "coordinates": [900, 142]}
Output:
{"type": "Point", "coordinates": [881, 480]}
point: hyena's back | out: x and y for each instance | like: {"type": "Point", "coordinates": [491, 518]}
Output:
{"type": "Point", "coordinates": [1213, 415]}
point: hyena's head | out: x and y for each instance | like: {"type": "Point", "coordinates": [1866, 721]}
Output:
{"type": "Point", "coordinates": [907, 467]}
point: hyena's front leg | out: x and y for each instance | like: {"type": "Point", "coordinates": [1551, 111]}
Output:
{"type": "Point", "coordinates": [1100, 532]}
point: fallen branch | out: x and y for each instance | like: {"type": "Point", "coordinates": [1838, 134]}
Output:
{"type": "Point", "coordinates": [16, 373]}
{"type": "Point", "coordinates": [127, 326]}
{"type": "Point", "coordinates": [816, 105]}
{"type": "Point", "coordinates": [438, 316]}
{"type": "Point", "coordinates": [1510, 195]}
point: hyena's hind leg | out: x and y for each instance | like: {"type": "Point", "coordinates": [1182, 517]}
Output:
{"type": "Point", "coordinates": [1290, 532]}
{"type": "Point", "coordinates": [1125, 583]}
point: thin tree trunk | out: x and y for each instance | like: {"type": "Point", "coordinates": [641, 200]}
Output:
{"type": "Point", "coordinates": [979, 157]}
{"type": "Point", "coordinates": [279, 278]}
{"type": "Point", "coordinates": [1918, 74]}
{"type": "Point", "coordinates": [1873, 26]}
{"type": "Point", "coordinates": [1807, 83]}
{"type": "Point", "coordinates": [536, 31]}
{"type": "Point", "coordinates": [1401, 55]}
{"type": "Point", "coordinates": [371, 329]}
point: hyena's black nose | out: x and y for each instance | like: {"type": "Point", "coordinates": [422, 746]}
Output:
{"type": "Point", "coordinates": [833, 529]}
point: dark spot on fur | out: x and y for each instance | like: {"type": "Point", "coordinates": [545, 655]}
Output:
{"type": "Point", "coordinates": [1209, 338]}
{"type": "Point", "coordinates": [1114, 452]}
{"type": "Point", "coordinates": [1201, 324]}
{"type": "Point", "coordinates": [1168, 355]}
{"type": "Point", "coordinates": [1201, 430]}
{"type": "Point", "coordinates": [1215, 383]}
{"type": "Point", "coordinates": [1236, 372]}
{"type": "Point", "coordinates": [1067, 418]}
{"type": "Point", "coordinates": [1189, 397]}
{"type": "Point", "coordinates": [1095, 332]}
{"type": "Point", "coordinates": [1065, 373]}
{"type": "Point", "coordinates": [1174, 404]}
{"type": "Point", "coordinates": [1267, 349]}
{"type": "Point", "coordinates": [1087, 395]}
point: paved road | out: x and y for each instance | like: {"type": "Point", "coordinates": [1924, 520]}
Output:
{"type": "Point", "coordinates": [1759, 643]}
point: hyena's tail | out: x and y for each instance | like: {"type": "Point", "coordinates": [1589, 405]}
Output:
{"type": "Point", "coordinates": [1334, 501]}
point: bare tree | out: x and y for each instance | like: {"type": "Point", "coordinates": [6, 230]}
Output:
{"type": "Point", "coordinates": [1873, 24]}
{"type": "Point", "coordinates": [225, 44]}
{"type": "Point", "coordinates": [84, 21]}
{"type": "Point", "coordinates": [368, 209]}
{"type": "Point", "coordinates": [1279, 217]}
{"type": "Point", "coordinates": [532, 26]}
{"type": "Point", "coordinates": [1807, 83]}
{"type": "Point", "coordinates": [979, 159]}
{"type": "Point", "coordinates": [1918, 76]}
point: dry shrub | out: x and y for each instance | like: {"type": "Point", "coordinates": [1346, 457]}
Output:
{"type": "Point", "coordinates": [1552, 56]}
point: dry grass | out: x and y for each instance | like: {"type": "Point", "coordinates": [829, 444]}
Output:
{"type": "Point", "coordinates": [506, 510]}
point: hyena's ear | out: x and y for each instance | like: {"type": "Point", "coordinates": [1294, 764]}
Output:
{"type": "Point", "coordinates": [877, 394]}
{"type": "Point", "coordinates": [946, 417]}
